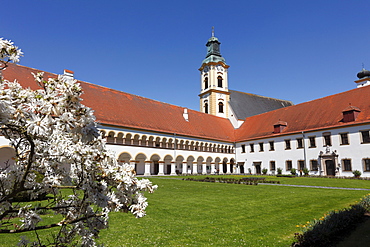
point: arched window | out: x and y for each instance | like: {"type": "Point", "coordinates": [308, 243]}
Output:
{"type": "Point", "coordinates": [205, 107]}
{"type": "Point", "coordinates": [219, 81]}
{"type": "Point", "coordinates": [206, 83]}
{"type": "Point", "coordinates": [220, 107]}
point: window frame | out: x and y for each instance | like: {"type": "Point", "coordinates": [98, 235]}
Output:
{"type": "Point", "coordinates": [219, 81]}
{"type": "Point", "coordinates": [344, 168]}
{"type": "Point", "coordinates": [312, 140]}
{"type": "Point", "coordinates": [288, 165]}
{"type": "Point", "coordinates": [288, 145]}
{"type": "Point", "coordinates": [272, 165]}
{"type": "Point", "coordinates": [251, 146]}
{"type": "Point", "coordinates": [341, 135]}
{"type": "Point", "coordinates": [299, 143]}
{"type": "Point", "coordinates": [364, 164]}
{"type": "Point", "coordinates": [272, 146]}
{"type": "Point", "coordinates": [312, 166]}
{"type": "Point", "coordinates": [367, 140]}
{"type": "Point", "coordinates": [327, 138]}
{"type": "Point", "coordinates": [243, 148]}
{"type": "Point", "coordinates": [261, 146]}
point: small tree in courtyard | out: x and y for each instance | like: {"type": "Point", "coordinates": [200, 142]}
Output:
{"type": "Point", "coordinates": [58, 146]}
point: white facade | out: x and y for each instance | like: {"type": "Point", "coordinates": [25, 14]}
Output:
{"type": "Point", "coordinates": [346, 157]}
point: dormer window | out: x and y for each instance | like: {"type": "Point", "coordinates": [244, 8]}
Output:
{"type": "Point", "coordinates": [219, 81]}
{"type": "Point", "coordinates": [350, 114]}
{"type": "Point", "coordinates": [280, 126]}
{"type": "Point", "coordinates": [206, 83]}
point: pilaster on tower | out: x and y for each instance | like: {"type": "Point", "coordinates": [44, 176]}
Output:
{"type": "Point", "coordinates": [214, 92]}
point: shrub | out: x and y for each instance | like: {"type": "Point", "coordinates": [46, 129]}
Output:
{"type": "Point", "coordinates": [305, 171]}
{"type": "Point", "coordinates": [279, 171]}
{"type": "Point", "coordinates": [264, 171]}
{"type": "Point", "coordinates": [293, 171]}
{"type": "Point", "coordinates": [332, 226]}
{"type": "Point", "coordinates": [356, 173]}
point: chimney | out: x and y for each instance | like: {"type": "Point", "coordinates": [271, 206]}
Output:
{"type": "Point", "coordinates": [186, 115]}
{"type": "Point", "coordinates": [68, 73]}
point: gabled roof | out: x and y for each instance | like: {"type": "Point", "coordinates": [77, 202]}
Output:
{"type": "Point", "coordinates": [246, 104]}
{"type": "Point", "coordinates": [112, 107]}
{"type": "Point", "coordinates": [318, 114]}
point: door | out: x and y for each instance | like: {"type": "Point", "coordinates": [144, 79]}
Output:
{"type": "Point", "coordinates": [330, 168]}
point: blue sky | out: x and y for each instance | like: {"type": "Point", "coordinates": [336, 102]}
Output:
{"type": "Point", "coordinates": [294, 50]}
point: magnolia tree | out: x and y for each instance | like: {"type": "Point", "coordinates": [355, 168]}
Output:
{"type": "Point", "coordinates": [58, 148]}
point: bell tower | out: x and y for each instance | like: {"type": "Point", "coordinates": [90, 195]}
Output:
{"type": "Point", "coordinates": [214, 92]}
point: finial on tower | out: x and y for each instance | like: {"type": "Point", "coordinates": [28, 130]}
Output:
{"type": "Point", "coordinates": [213, 31]}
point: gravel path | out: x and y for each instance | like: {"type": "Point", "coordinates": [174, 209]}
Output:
{"type": "Point", "coordinates": [309, 186]}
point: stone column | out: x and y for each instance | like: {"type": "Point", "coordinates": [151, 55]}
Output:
{"type": "Point", "coordinates": [147, 168]}
{"type": "Point", "coordinates": [173, 168]}
{"type": "Point", "coordinates": [228, 168]}
{"type": "Point", "coordinates": [133, 163]}
{"type": "Point", "coordinates": [184, 167]}
{"type": "Point", "coordinates": [213, 168]}
{"type": "Point", "coordinates": [220, 168]}
{"type": "Point", "coordinates": [204, 168]}
{"type": "Point", "coordinates": [195, 167]}
{"type": "Point", "coordinates": [161, 168]}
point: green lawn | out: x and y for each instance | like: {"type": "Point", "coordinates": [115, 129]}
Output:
{"type": "Point", "coordinates": [203, 214]}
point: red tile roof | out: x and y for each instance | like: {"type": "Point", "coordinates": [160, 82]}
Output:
{"type": "Point", "coordinates": [313, 115]}
{"type": "Point", "coordinates": [112, 107]}
{"type": "Point", "coordinates": [121, 109]}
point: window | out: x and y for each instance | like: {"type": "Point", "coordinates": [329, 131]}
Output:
{"type": "Point", "coordinates": [219, 81]}
{"type": "Point", "coordinates": [365, 136]}
{"type": "Point", "coordinates": [288, 164]}
{"type": "Point", "coordinates": [287, 144]}
{"type": "Point", "coordinates": [206, 83]}
{"type": "Point", "coordinates": [220, 107]}
{"type": "Point", "coordinates": [251, 147]}
{"type": "Point", "coordinates": [347, 165]}
{"type": "Point", "coordinates": [272, 165]}
{"type": "Point", "coordinates": [312, 141]}
{"type": "Point", "coordinates": [301, 165]}
{"type": "Point", "coordinates": [272, 147]}
{"type": "Point", "coordinates": [261, 146]}
{"type": "Point", "coordinates": [344, 139]}
{"type": "Point", "coordinates": [327, 139]}
{"type": "Point", "coordinates": [314, 165]}
{"type": "Point", "coordinates": [366, 165]}
{"type": "Point", "coordinates": [299, 142]}
{"type": "Point", "coordinates": [205, 107]}
{"type": "Point", "coordinates": [243, 148]}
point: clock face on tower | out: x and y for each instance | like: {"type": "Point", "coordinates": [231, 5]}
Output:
{"type": "Point", "coordinates": [219, 68]}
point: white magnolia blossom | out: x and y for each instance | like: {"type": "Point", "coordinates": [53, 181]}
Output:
{"type": "Point", "coordinates": [57, 144]}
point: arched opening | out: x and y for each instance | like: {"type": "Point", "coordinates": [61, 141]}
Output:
{"type": "Point", "coordinates": [155, 161]}
{"type": "Point", "coordinates": [224, 165]}
{"type": "Point", "coordinates": [128, 139]}
{"type": "Point", "coordinates": [206, 83]}
{"type": "Point", "coordinates": [167, 164]}
{"type": "Point", "coordinates": [180, 167]}
{"type": "Point", "coordinates": [206, 107]}
{"type": "Point", "coordinates": [119, 138]}
{"type": "Point", "coordinates": [221, 107]}
{"type": "Point", "coordinates": [219, 81]}
{"type": "Point", "coordinates": [140, 164]}
{"type": "Point", "coordinates": [110, 137]}
{"type": "Point", "coordinates": [190, 168]}
{"type": "Point", "coordinates": [124, 158]}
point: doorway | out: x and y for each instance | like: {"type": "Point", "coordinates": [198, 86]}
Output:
{"type": "Point", "coordinates": [330, 168]}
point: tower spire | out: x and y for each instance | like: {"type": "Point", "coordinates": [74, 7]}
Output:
{"type": "Point", "coordinates": [213, 31]}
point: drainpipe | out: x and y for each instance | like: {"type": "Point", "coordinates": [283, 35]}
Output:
{"type": "Point", "coordinates": [236, 161]}
{"type": "Point", "coordinates": [304, 149]}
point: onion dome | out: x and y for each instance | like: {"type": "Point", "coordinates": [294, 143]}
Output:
{"type": "Point", "coordinates": [363, 73]}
